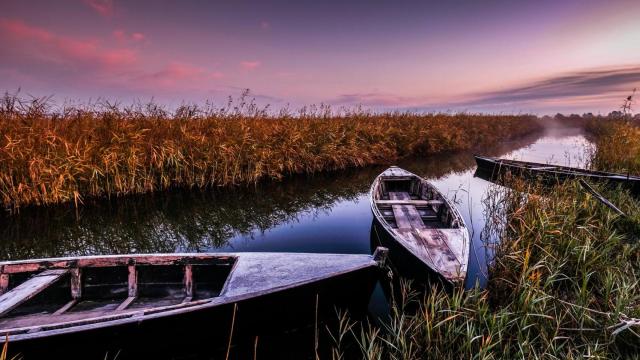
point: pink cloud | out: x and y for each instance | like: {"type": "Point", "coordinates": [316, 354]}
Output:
{"type": "Point", "coordinates": [102, 7]}
{"type": "Point", "coordinates": [179, 73]}
{"type": "Point", "coordinates": [265, 25]}
{"type": "Point", "coordinates": [138, 36]}
{"type": "Point", "coordinates": [250, 65]}
{"type": "Point", "coordinates": [51, 47]}
{"type": "Point", "coordinates": [123, 36]}
{"type": "Point", "coordinates": [92, 60]}
{"type": "Point", "coordinates": [377, 99]}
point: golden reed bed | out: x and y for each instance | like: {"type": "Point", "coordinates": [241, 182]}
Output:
{"type": "Point", "coordinates": [618, 144]}
{"type": "Point", "coordinates": [72, 154]}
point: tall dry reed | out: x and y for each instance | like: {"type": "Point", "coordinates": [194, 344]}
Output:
{"type": "Point", "coordinates": [618, 144]}
{"type": "Point", "coordinates": [76, 153]}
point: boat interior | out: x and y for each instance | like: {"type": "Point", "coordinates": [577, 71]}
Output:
{"type": "Point", "coordinates": [33, 294]}
{"type": "Point", "coordinates": [410, 202]}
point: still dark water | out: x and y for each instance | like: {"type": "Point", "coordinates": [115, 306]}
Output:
{"type": "Point", "coordinates": [322, 213]}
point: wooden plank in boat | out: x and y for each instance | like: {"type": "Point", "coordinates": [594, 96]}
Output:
{"type": "Point", "coordinates": [28, 289]}
{"type": "Point", "coordinates": [437, 243]}
{"type": "Point", "coordinates": [410, 202]}
{"type": "Point", "coordinates": [456, 242]}
{"type": "Point", "coordinates": [407, 217]}
{"type": "Point", "coordinates": [430, 245]}
{"type": "Point", "coordinates": [399, 195]}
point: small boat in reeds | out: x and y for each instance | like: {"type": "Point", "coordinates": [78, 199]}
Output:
{"type": "Point", "coordinates": [416, 220]}
{"type": "Point", "coordinates": [89, 304]}
{"type": "Point", "coordinates": [494, 168]}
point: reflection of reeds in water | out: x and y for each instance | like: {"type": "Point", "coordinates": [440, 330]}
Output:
{"type": "Point", "coordinates": [79, 154]}
{"type": "Point", "coordinates": [176, 220]}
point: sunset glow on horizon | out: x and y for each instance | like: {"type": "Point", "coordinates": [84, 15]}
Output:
{"type": "Point", "coordinates": [495, 56]}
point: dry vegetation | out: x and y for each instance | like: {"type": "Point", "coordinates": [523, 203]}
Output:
{"type": "Point", "coordinates": [77, 153]}
{"type": "Point", "coordinates": [618, 144]}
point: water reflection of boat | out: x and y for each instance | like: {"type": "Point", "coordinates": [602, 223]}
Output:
{"type": "Point", "coordinates": [494, 169]}
{"type": "Point", "coordinates": [424, 226]}
{"type": "Point", "coordinates": [63, 304]}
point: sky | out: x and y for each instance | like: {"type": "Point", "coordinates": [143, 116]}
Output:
{"type": "Point", "coordinates": [492, 56]}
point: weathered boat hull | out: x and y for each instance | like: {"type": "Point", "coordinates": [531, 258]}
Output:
{"type": "Point", "coordinates": [207, 324]}
{"type": "Point", "coordinates": [494, 170]}
{"type": "Point", "coordinates": [208, 329]}
{"type": "Point", "coordinates": [423, 228]}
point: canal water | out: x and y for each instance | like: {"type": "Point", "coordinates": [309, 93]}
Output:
{"type": "Point", "coordinates": [326, 212]}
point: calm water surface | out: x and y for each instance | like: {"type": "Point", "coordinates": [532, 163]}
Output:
{"type": "Point", "coordinates": [322, 213]}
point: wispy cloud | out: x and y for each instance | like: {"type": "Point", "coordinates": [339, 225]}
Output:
{"type": "Point", "coordinates": [589, 90]}
{"type": "Point", "coordinates": [102, 7]}
{"type": "Point", "coordinates": [123, 36]}
{"type": "Point", "coordinates": [590, 83]}
{"type": "Point", "coordinates": [375, 99]}
{"type": "Point", "coordinates": [250, 65]}
{"type": "Point", "coordinates": [51, 47]}
{"type": "Point", "coordinates": [175, 73]}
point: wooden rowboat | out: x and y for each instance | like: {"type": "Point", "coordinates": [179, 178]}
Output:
{"type": "Point", "coordinates": [494, 168]}
{"type": "Point", "coordinates": [416, 217]}
{"type": "Point", "coordinates": [113, 300]}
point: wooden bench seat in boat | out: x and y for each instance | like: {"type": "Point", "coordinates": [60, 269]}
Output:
{"type": "Point", "coordinates": [28, 289]}
{"type": "Point", "coordinates": [405, 212]}
{"type": "Point", "coordinates": [407, 217]}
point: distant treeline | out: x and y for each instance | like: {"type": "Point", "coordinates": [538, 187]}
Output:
{"type": "Point", "coordinates": [575, 120]}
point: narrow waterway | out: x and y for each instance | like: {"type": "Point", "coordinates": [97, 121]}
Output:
{"type": "Point", "coordinates": [321, 213]}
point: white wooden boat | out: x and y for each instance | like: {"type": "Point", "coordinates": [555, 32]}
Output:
{"type": "Point", "coordinates": [417, 218]}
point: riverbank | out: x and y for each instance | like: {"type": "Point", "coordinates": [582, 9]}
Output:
{"type": "Point", "coordinates": [563, 283]}
{"type": "Point", "coordinates": [77, 154]}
